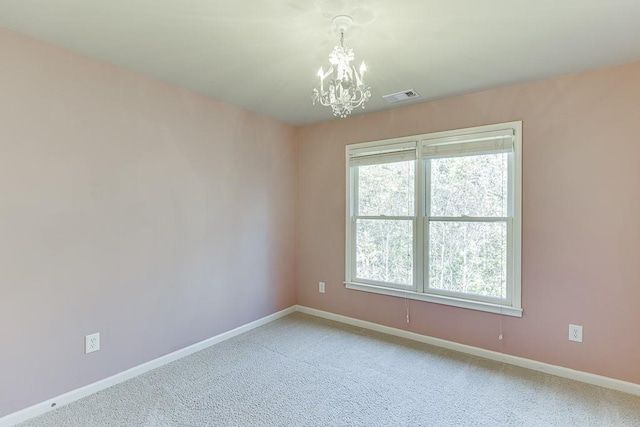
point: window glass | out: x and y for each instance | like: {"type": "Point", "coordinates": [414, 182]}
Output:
{"type": "Point", "coordinates": [386, 189]}
{"type": "Point", "coordinates": [385, 250]}
{"type": "Point", "coordinates": [468, 257]}
{"type": "Point", "coordinates": [473, 186]}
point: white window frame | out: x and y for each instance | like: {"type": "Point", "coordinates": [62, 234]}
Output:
{"type": "Point", "coordinates": [402, 151]}
{"type": "Point", "coordinates": [512, 306]}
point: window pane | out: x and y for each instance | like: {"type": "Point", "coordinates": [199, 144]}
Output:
{"type": "Point", "coordinates": [385, 250]}
{"type": "Point", "coordinates": [468, 257]}
{"type": "Point", "coordinates": [471, 185]}
{"type": "Point", "coordinates": [386, 189]}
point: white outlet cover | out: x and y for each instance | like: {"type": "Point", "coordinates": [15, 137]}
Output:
{"type": "Point", "coordinates": [92, 343]}
{"type": "Point", "coordinates": [575, 333]}
{"type": "Point", "coordinates": [321, 287]}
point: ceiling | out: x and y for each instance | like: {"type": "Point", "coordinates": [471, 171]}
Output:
{"type": "Point", "coordinates": [263, 55]}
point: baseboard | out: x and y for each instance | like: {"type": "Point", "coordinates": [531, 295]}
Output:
{"type": "Point", "coordinates": [585, 377]}
{"type": "Point", "coordinates": [65, 399]}
{"type": "Point", "coordinates": [72, 396]}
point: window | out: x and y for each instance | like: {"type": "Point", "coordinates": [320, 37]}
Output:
{"type": "Point", "coordinates": [436, 217]}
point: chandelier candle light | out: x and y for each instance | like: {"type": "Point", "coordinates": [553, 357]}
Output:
{"type": "Point", "coordinates": [345, 88]}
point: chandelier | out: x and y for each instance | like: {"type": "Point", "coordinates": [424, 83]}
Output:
{"type": "Point", "coordinates": [341, 86]}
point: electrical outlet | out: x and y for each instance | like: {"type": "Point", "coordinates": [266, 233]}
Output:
{"type": "Point", "coordinates": [92, 343]}
{"type": "Point", "coordinates": [321, 287]}
{"type": "Point", "coordinates": [575, 333]}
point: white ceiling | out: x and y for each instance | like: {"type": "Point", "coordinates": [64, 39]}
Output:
{"type": "Point", "coordinates": [263, 55]}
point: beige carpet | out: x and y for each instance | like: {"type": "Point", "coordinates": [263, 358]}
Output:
{"type": "Point", "coordinates": [305, 371]}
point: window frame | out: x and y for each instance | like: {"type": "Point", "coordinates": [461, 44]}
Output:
{"type": "Point", "coordinates": [354, 177]}
{"type": "Point", "coordinates": [419, 290]}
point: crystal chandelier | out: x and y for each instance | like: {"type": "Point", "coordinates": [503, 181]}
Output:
{"type": "Point", "coordinates": [341, 86]}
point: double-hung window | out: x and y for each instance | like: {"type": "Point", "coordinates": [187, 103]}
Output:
{"type": "Point", "coordinates": [436, 217]}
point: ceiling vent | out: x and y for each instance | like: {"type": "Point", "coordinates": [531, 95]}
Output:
{"type": "Point", "coordinates": [401, 96]}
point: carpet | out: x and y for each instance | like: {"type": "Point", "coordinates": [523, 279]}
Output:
{"type": "Point", "coordinates": [304, 371]}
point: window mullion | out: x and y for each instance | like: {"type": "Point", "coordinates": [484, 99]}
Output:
{"type": "Point", "coordinates": [469, 218]}
{"type": "Point", "coordinates": [417, 229]}
{"type": "Point", "coordinates": [385, 217]}
{"type": "Point", "coordinates": [425, 204]}
{"type": "Point", "coordinates": [354, 209]}
{"type": "Point", "coordinates": [510, 262]}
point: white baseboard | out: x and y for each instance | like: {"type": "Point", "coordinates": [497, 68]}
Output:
{"type": "Point", "coordinates": [65, 399]}
{"type": "Point", "coordinates": [585, 377]}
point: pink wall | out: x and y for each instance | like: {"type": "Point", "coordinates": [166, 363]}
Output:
{"type": "Point", "coordinates": [581, 226]}
{"type": "Point", "coordinates": [150, 214]}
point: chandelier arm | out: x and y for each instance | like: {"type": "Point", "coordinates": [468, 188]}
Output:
{"type": "Point", "coordinates": [346, 87]}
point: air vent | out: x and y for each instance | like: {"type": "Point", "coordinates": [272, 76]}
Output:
{"type": "Point", "coordinates": [402, 96]}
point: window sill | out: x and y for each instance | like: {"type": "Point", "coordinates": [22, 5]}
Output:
{"type": "Point", "coordinates": [437, 299]}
